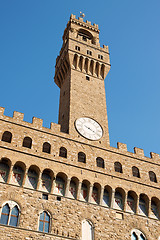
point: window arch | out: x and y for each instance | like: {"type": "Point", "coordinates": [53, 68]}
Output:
{"type": "Point", "coordinates": [27, 142]}
{"type": "Point", "coordinates": [137, 235]}
{"type": "Point", "coordinates": [131, 202]}
{"type": "Point", "coordinates": [107, 196]}
{"type": "Point", "coordinates": [63, 152]}
{"type": "Point", "coordinates": [118, 167]}
{"type": "Point", "coordinates": [135, 172]}
{"type": "Point", "coordinates": [152, 177]}
{"type": "Point", "coordinates": [84, 190]}
{"type": "Point", "coordinates": [18, 173]}
{"type": "Point", "coordinates": [4, 169]}
{"type": "Point", "coordinates": [143, 205]}
{"type": "Point", "coordinates": [119, 199]}
{"type": "Point", "coordinates": [7, 137]}
{"type": "Point", "coordinates": [85, 34]}
{"type": "Point", "coordinates": [96, 193]}
{"type": "Point", "coordinates": [87, 230]}
{"type": "Point", "coordinates": [82, 157]}
{"type": "Point", "coordinates": [46, 147]}
{"type": "Point", "coordinates": [155, 211]}
{"type": "Point", "coordinates": [60, 184]}
{"type": "Point", "coordinates": [46, 180]}
{"type": "Point", "coordinates": [44, 222]}
{"type": "Point", "coordinates": [73, 187]}
{"type": "Point", "coordinates": [100, 162]}
{"type": "Point", "coordinates": [32, 177]}
{"type": "Point", "coordinates": [10, 214]}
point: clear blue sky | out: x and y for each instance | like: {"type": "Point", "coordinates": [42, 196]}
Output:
{"type": "Point", "coordinates": [30, 40]}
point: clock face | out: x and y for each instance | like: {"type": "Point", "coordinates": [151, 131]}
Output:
{"type": "Point", "coordinates": [89, 128]}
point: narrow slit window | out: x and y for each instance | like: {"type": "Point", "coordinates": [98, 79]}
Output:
{"type": "Point", "coordinates": [77, 48]}
{"type": "Point", "coordinates": [100, 56]}
{"type": "Point", "coordinates": [89, 52]}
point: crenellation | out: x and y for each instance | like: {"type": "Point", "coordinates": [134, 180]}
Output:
{"type": "Point", "coordinates": [155, 155]}
{"type": "Point", "coordinates": [139, 151]}
{"type": "Point", "coordinates": [87, 24]}
{"type": "Point", "coordinates": [37, 122]}
{"type": "Point", "coordinates": [95, 25]}
{"type": "Point", "coordinates": [18, 116]}
{"type": "Point", "coordinates": [55, 127]}
{"type": "Point", "coordinates": [122, 146]}
{"type": "Point", "coordinates": [105, 47]}
{"type": "Point", "coordinates": [80, 19]}
{"type": "Point", "coordinates": [73, 16]}
{"type": "Point", "coordinates": [2, 111]}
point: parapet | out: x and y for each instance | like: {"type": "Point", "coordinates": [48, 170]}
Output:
{"type": "Point", "coordinates": [37, 123]}
{"type": "Point", "coordinates": [86, 24]}
{"type": "Point", "coordinates": [138, 152]}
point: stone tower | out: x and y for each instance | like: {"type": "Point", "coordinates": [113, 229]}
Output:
{"type": "Point", "coordinates": [81, 69]}
{"type": "Point", "coordinates": [66, 182]}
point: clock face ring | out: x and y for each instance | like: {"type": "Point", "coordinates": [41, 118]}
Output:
{"type": "Point", "coordinates": [89, 128]}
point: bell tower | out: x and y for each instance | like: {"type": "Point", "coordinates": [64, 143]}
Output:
{"type": "Point", "coordinates": [80, 70]}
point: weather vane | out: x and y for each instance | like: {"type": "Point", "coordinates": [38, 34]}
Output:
{"type": "Point", "coordinates": [82, 15]}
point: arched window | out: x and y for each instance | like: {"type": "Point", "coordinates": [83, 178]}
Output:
{"type": "Point", "coordinates": [32, 177]}
{"type": "Point", "coordinates": [154, 208]}
{"type": "Point", "coordinates": [7, 137]}
{"type": "Point", "coordinates": [106, 198]}
{"type": "Point", "coordinates": [100, 162]}
{"type": "Point", "coordinates": [5, 214]}
{"type": "Point", "coordinates": [85, 34]}
{"type": "Point", "coordinates": [46, 147]}
{"type": "Point", "coordinates": [4, 170]}
{"type": "Point", "coordinates": [95, 194]}
{"type": "Point", "coordinates": [60, 186]}
{"type": "Point", "coordinates": [143, 205]}
{"type": "Point", "coordinates": [73, 188]}
{"type": "Point", "coordinates": [137, 235]}
{"type": "Point", "coordinates": [152, 177]}
{"type": "Point", "coordinates": [14, 216]}
{"type": "Point", "coordinates": [63, 152]}
{"type": "Point", "coordinates": [82, 157]}
{"type": "Point", "coordinates": [135, 172]}
{"type": "Point", "coordinates": [118, 200]}
{"type": "Point", "coordinates": [46, 180]}
{"type": "Point", "coordinates": [118, 167]}
{"type": "Point", "coordinates": [27, 142]}
{"type": "Point", "coordinates": [44, 222]}
{"type": "Point", "coordinates": [131, 202]}
{"type": "Point", "coordinates": [10, 214]}
{"type": "Point", "coordinates": [134, 236]}
{"type": "Point", "coordinates": [87, 230]}
{"type": "Point", "coordinates": [17, 175]}
{"type": "Point", "coordinates": [84, 191]}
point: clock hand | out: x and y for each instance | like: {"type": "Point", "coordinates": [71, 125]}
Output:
{"type": "Point", "coordinates": [90, 129]}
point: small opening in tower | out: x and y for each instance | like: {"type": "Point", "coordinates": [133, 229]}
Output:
{"type": "Point", "coordinates": [77, 48]}
{"type": "Point", "coordinates": [64, 93]}
{"type": "Point", "coordinates": [87, 78]}
{"type": "Point", "coordinates": [45, 196]}
{"type": "Point", "coordinates": [89, 52]}
{"type": "Point", "coordinates": [84, 38]}
{"type": "Point", "coordinates": [58, 198]}
{"type": "Point", "coordinates": [100, 56]}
